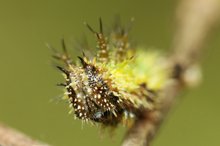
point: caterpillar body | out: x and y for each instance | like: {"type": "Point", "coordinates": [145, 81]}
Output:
{"type": "Point", "coordinates": [116, 84]}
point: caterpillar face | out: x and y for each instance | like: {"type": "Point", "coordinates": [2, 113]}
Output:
{"type": "Point", "coordinates": [116, 84]}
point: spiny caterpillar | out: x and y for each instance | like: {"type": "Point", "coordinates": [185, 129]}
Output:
{"type": "Point", "coordinates": [114, 85]}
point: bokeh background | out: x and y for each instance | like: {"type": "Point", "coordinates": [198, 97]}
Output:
{"type": "Point", "coordinates": [28, 77]}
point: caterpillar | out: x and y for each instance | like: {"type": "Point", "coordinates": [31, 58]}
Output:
{"type": "Point", "coordinates": [117, 83]}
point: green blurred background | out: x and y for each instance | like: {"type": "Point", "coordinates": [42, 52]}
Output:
{"type": "Point", "coordinates": [28, 78]}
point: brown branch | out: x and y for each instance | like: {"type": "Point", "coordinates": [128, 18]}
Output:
{"type": "Point", "coordinates": [195, 18]}
{"type": "Point", "coordinates": [11, 137]}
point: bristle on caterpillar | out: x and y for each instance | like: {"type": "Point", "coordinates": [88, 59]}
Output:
{"type": "Point", "coordinates": [117, 83]}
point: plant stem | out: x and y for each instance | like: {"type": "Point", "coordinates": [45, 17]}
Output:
{"type": "Point", "coordinates": [195, 18]}
{"type": "Point", "coordinates": [11, 137]}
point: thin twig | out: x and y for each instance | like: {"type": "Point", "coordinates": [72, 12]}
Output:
{"type": "Point", "coordinates": [11, 137]}
{"type": "Point", "coordinates": [195, 18]}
